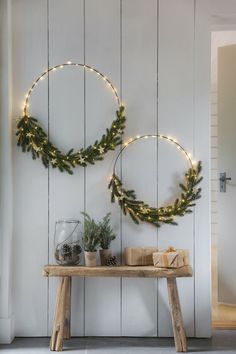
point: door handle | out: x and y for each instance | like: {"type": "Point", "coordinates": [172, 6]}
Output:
{"type": "Point", "coordinates": [223, 179]}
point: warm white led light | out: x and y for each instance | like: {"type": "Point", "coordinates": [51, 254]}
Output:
{"type": "Point", "coordinates": [62, 66]}
{"type": "Point", "coordinates": [164, 137]}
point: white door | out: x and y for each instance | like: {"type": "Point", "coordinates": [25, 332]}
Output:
{"type": "Point", "coordinates": [227, 169]}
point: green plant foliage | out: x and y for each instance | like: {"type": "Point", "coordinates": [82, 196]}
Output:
{"type": "Point", "coordinates": [106, 233]}
{"type": "Point", "coordinates": [140, 211]}
{"type": "Point", "coordinates": [32, 138]}
{"type": "Point", "coordinates": [91, 235]}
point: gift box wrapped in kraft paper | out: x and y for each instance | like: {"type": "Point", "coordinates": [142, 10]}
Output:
{"type": "Point", "coordinates": [171, 258]}
{"type": "Point", "coordinates": [135, 256]}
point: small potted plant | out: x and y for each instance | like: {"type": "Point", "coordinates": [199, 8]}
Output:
{"type": "Point", "coordinates": [90, 240]}
{"type": "Point", "coordinates": [106, 236]}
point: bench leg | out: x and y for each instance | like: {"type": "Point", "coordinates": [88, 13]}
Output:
{"type": "Point", "coordinates": [60, 315]}
{"type": "Point", "coordinates": [68, 310]}
{"type": "Point", "coordinates": [176, 316]}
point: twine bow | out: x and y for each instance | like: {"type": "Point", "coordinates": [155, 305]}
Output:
{"type": "Point", "coordinates": [170, 249]}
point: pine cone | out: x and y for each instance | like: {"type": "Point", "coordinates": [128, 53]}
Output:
{"type": "Point", "coordinates": [77, 249]}
{"type": "Point", "coordinates": [66, 250]}
{"type": "Point", "coordinates": [111, 261]}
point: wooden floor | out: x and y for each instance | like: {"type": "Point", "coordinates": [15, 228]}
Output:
{"type": "Point", "coordinates": [223, 315]}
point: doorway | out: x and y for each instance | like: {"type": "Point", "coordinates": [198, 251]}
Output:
{"type": "Point", "coordinates": [223, 178]}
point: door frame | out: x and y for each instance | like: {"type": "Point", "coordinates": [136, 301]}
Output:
{"type": "Point", "coordinates": [220, 26]}
{"type": "Point", "coordinates": [209, 15]}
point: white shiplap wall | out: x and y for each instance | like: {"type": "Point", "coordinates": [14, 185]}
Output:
{"type": "Point", "coordinates": [176, 120]}
{"type": "Point", "coordinates": [133, 42]}
{"type": "Point", "coordinates": [214, 167]}
{"type": "Point", "coordinates": [6, 195]}
{"type": "Point", "coordinates": [214, 139]}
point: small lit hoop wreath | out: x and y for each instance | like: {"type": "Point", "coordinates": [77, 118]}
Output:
{"type": "Point", "coordinates": [32, 138]}
{"type": "Point", "coordinates": [140, 211]}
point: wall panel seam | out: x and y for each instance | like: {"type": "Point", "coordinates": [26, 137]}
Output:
{"type": "Point", "coordinates": [194, 152]}
{"type": "Point", "coordinates": [121, 233]}
{"type": "Point", "coordinates": [84, 44]}
{"type": "Point", "coordinates": [157, 69]}
{"type": "Point", "coordinates": [48, 177]}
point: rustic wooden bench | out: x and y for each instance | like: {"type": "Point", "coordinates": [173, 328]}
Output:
{"type": "Point", "coordinates": [61, 325]}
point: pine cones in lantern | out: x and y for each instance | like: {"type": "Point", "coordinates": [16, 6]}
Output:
{"type": "Point", "coordinates": [66, 250]}
{"type": "Point", "coordinates": [111, 261]}
{"type": "Point", "coordinates": [68, 253]}
{"type": "Point", "coordinates": [76, 249]}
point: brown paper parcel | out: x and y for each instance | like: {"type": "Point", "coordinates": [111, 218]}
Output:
{"type": "Point", "coordinates": [171, 258]}
{"type": "Point", "coordinates": [135, 256]}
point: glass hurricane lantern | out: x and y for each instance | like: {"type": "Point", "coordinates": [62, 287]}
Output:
{"type": "Point", "coordinates": [66, 242]}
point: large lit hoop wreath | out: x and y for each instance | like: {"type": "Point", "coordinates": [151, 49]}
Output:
{"type": "Point", "coordinates": [32, 137]}
{"type": "Point", "coordinates": [141, 211]}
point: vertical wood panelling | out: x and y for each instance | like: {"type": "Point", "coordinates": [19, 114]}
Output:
{"type": "Point", "coordinates": [30, 178]}
{"type": "Point", "coordinates": [175, 118]}
{"type": "Point", "coordinates": [6, 185]}
{"type": "Point", "coordinates": [139, 161]}
{"type": "Point", "coordinates": [102, 50]}
{"type": "Point", "coordinates": [120, 39]}
{"type": "Point", "coordinates": [202, 149]}
{"type": "Point", "coordinates": [214, 165]}
{"type": "Point", "coordinates": [66, 125]}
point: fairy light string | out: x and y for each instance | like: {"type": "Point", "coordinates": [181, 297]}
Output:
{"type": "Point", "coordinates": [141, 211]}
{"type": "Point", "coordinates": [61, 66]}
{"type": "Point", "coordinates": [32, 138]}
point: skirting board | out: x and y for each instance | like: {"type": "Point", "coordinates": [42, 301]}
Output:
{"type": "Point", "coordinates": [6, 330]}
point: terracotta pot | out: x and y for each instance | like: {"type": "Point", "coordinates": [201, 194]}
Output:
{"type": "Point", "coordinates": [104, 255]}
{"type": "Point", "coordinates": [90, 259]}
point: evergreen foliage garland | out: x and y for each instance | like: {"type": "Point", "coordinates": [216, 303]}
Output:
{"type": "Point", "coordinates": [32, 138]}
{"type": "Point", "coordinates": [141, 211]}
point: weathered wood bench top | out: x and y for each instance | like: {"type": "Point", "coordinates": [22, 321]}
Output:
{"type": "Point", "coordinates": [117, 271]}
